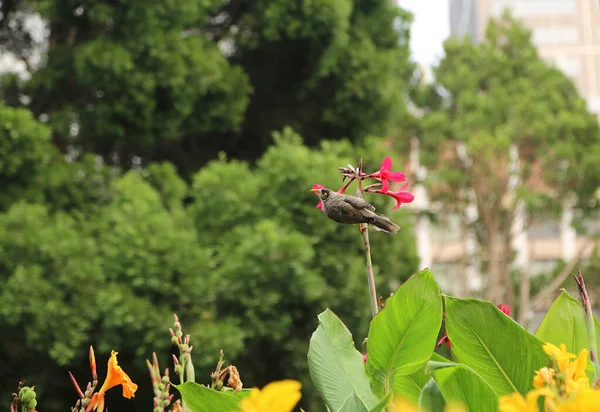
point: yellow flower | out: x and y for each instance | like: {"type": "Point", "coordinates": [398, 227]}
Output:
{"type": "Point", "coordinates": [561, 355]}
{"type": "Point", "coordinates": [279, 396]}
{"type": "Point", "coordinates": [405, 405]}
{"type": "Point", "coordinates": [115, 376]}
{"type": "Point", "coordinates": [517, 403]}
{"type": "Point", "coordinates": [586, 400]}
{"type": "Point", "coordinates": [543, 377]}
{"type": "Point", "coordinates": [575, 376]}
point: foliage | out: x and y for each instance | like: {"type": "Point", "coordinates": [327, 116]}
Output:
{"type": "Point", "coordinates": [183, 80]}
{"type": "Point", "coordinates": [495, 359]}
{"type": "Point", "coordinates": [242, 255]}
{"type": "Point", "coordinates": [504, 129]}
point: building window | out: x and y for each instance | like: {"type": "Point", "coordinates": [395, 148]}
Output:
{"type": "Point", "coordinates": [524, 8]}
{"type": "Point", "coordinates": [542, 267]}
{"type": "Point", "coordinates": [556, 36]}
{"type": "Point", "coordinates": [546, 229]}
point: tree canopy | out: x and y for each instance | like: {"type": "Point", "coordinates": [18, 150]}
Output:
{"type": "Point", "coordinates": [504, 128]}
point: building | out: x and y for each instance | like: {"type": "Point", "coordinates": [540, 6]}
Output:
{"type": "Point", "coordinates": [567, 33]}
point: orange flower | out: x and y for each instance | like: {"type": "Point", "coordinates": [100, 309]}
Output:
{"type": "Point", "coordinates": [115, 376]}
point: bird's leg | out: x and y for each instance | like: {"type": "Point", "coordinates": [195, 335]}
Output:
{"type": "Point", "coordinates": [362, 227]}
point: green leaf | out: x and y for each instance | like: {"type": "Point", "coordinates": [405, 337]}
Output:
{"type": "Point", "coordinates": [431, 398]}
{"type": "Point", "coordinates": [459, 383]}
{"type": "Point", "coordinates": [238, 394]}
{"type": "Point", "coordinates": [410, 386]}
{"type": "Point", "coordinates": [498, 349]}
{"type": "Point", "coordinates": [383, 404]}
{"type": "Point", "coordinates": [353, 404]}
{"type": "Point", "coordinates": [336, 367]}
{"type": "Point", "coordinates": [199, 398]}
{"type": "Point", "coordinates": [564, 323]}
{"type": "Point", "coordinates": [402, 336]}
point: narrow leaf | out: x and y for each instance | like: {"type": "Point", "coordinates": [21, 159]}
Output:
{"type": "Point", "coordinates": [202, 399]}
{"type": "Point", "coordinates": [336, 367]}
{"type": "Point", "coordinates": [402, 336]}
{"type": "Point", "coordinates": [498, 349]}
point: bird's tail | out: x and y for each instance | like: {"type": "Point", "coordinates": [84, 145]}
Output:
{"type": "Point", "coordinates": [384, 224]}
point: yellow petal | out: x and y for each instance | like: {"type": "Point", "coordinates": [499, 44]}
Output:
{"type": "Point", "coordinates": [543, 377]}
{"type": "Point", "coordinates": [517, 403]}
{"type": "Point", "coordinates": [279, 396]}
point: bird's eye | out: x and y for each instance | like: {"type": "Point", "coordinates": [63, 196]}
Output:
{"type": "Point", "coordinates": [324, 192]}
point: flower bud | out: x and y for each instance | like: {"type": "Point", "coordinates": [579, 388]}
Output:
{"type": "Point", "coordinates": [178, 369]}
{"type": "Point", "coordinates": [175, 340]}
{"type": "Point", "coordinates": [26, 394]}
{"type": "Point", "coordinates": [183, 347]}
{"type": "Point", "coordinates": [165, 379]}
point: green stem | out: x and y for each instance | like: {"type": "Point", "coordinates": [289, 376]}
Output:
{"type": "Point", "coordinates": [364, 230]}
{"type": "Point", "coordinates": [589, 316]}
{"type": "Point", "coordinates": [371, 276]}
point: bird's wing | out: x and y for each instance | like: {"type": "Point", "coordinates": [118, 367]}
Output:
{"type": "Point", "coordinates": [359, 203]}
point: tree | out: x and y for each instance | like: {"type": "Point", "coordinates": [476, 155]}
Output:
{"type": "Point", "coordinates": [507, 131]}
{"type": "Point", "coordinates": [183, 80]}
{"type": "Point", "coordinates": [242, 256]}
{"type": "Point", "coordinates": [279, 261]}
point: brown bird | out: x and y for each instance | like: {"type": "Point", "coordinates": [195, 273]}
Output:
{"type": "Point", "coordinates": [353, 210]}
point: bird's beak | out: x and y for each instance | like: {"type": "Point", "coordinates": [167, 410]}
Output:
{"type": "Point", "coordinates": [315, 191]}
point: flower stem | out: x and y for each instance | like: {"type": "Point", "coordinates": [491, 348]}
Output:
{"type": "Point", "coordinates": [364, 230]}
{"type": "Point", "coordinates": [589, 316]}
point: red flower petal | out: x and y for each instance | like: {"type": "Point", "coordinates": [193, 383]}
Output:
{"type": "Point", "coordinates": [365, 358]}
{"type": "Point", "coordinates": [445, 339]}
{"type": "Point", "coordinates": [385, 186]}
{"type": "Point", "coordinates": [402, 197]}
{"type": "Point", "coordinates": [319, 205]}
{"type": "Point", "coordinates": [396, 176]}
{"type": "Point", "coordinates": [386, 163]}
{"type": "Point", "coordinates": [505, 309]}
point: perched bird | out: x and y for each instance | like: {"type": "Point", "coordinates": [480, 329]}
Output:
{"type": "Point", "coordinates": [351, 209]}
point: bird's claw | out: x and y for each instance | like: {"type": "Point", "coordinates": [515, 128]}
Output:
{"type": "Point", "coordinates": [362, 228]}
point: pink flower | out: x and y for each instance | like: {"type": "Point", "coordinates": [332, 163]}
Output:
{"type": "Point", "coordinates": [384, 174]}
{"type": "Point", "coordinates": [401, 196]}
{"type": "Point", "coordinates": [317, 186]}
{"type": "Point", "coordinates": [445, 340]}
{"type": "Point", "coordinates": [505, 309]}
{"type": "Point", "coordinates": [365, 357]}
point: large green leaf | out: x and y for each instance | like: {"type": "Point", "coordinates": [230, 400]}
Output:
{"type": "Point", "coordinates": [564, 323]}
{"type": "Point", "coordinates": [410, 386]}
{"type": "Point", "coordinates": [459, 383]}
{"type": "Point", "coordinates": [431, 398]}
{"type": "Point", "coordinates": [402, 336]}
{"type": "Point", "coordinates": [353, 403]}
{"type": "Point", "coordinates": [498, 349]}
{"type": "Point", "coordinates": [336, 367]}
{"type": "Point", "coordinates": [202, 399]}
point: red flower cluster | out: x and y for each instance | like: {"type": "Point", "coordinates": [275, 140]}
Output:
{"type": "Point", "coordinates": [384, 175]}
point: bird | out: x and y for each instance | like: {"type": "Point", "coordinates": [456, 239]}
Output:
{"type": "Point", "coordinates": [352, 210]}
